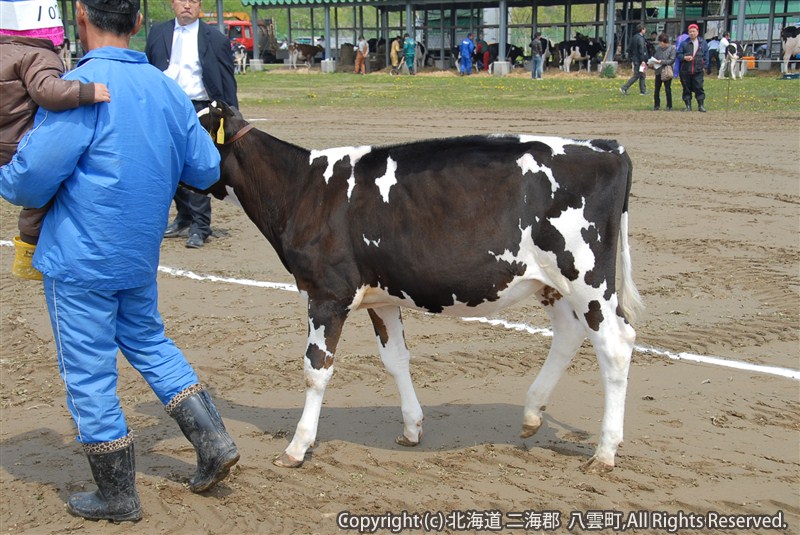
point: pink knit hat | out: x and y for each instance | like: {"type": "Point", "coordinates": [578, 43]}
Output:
{"type": "Point", "coordinates": [32, 18]}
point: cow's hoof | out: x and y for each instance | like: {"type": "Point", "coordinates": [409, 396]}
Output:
{"type": "Point", "coordinates": [284, 461]}
{"type": "Point", "coordinates": [403, 441]}
{"type": "Point", "coordinates": [596, 466]}
{"type": "Point", "coordinates": [529, 430]}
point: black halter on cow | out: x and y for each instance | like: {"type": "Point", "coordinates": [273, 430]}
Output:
{"type": "Point", "coordinates": [461, 226]}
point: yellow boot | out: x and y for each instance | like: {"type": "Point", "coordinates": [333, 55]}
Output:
{"type": "Point", "coordinates": [22, 267]}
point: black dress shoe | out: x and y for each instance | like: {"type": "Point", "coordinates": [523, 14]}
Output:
{"type": "Point", "coordinates": [195, 241]}
{"type": "Point", "coordinates": [175, 230]}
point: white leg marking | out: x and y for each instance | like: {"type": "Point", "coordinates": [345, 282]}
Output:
{"type": "Point", "coordinates": [613, 343]}
{"type": "Point", "coordinates": [395, 357]}
{"type": "Point", "coordinates": [306, 433]}
{"type": "Point", "coordinates": [568, 334]}
{"type": "Point", "coordinates": [316, 337]}
{"type": "Point", "coordinates": [316, 382]}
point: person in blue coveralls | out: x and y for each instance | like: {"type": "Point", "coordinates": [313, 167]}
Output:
{"type": "Point", "coordinates": [467, 49]}
{"type": "Point", "coordinates": [112, 185]}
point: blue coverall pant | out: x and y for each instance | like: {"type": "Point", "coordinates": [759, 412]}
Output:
{"type": "Point", "coordinates": [466, 65]}
{"type": "Point", "coordinates": [90, 327]}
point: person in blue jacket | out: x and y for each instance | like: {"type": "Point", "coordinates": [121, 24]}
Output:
{"type": "Point", "coordinates": [98, 252]}
{"type": "Point", "coordinates": [466, 49]}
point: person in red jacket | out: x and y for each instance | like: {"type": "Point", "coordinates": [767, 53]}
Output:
{"type": "Point", "coordinates": [693, 53]}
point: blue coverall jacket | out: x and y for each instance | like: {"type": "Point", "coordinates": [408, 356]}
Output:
{"type": "Point", "coordinates": [111, 170]}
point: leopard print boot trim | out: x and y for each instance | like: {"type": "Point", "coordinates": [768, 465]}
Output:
{"type": "Point", "coordinates": [98, 448]}
{"type": "Point", "coordinates": [180, 396]}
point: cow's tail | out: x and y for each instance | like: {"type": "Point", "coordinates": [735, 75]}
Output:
{"type": "Point", "coordinates": [630, 300]}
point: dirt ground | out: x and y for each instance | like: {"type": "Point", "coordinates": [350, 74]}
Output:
{"type": "Point", "coordinates": [714, 229]}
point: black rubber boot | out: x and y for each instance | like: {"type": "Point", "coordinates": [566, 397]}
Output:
{"type": "Point", "coordinates": [700, 106]}
{"type": "Point", "coordinates": [688, 105]}
{"type": "Point", "coordinates": [114, 473]}
{"type": "Point", "coordinates": [200, 422]}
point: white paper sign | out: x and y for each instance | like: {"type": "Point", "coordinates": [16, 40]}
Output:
{"type": "Point", "coordinates": [29, 14]}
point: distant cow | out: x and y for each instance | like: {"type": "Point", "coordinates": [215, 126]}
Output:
{"type": "Point", "coordinates": [733, 62]}
{"type": "Point", "coordinates": [303, 52]}
{"type": "Point", "coordinates": [548, 49]}
{"type": "Point", "coordinates": [581, 49]}
{"type": "Point", "coordinates": [790, 42]}
{"type": "Point", "coordinates": [514, 54]}
{"type": "Point", "coordinates": [461, 226]}
{"type": "Point", "coordinates": [420, 56]}
{"type": "Point", "coordinates": [239, 58]}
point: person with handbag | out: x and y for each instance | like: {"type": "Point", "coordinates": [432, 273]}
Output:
{"type": "Point", "coordinates": [664, 58]}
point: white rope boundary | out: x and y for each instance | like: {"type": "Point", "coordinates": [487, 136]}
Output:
{"type": "Point", "coordinates": [541, 331]}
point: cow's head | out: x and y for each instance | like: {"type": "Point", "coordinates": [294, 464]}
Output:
{"type": "Point", "coordinates": [789, 32]}
{"type": "Point", "coordinates": [226, 127]}
{"type": "Point", "coordinates": [222, 122]}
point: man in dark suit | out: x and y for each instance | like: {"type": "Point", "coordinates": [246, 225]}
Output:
{"type": "Point", "coordinates": [199, 58]}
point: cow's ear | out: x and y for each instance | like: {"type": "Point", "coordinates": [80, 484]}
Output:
{"type": "Point", "coordinates": [207, 118]}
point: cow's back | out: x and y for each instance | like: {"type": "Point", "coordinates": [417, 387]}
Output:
{"type": "Point", "coordinates": [433, 220]}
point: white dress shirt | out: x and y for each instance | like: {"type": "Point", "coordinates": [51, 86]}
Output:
{"type": "Point", "coordinates": [184, 62]}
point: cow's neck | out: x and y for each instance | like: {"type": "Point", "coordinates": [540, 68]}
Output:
{"type": "Point", "coordinates": [270, 184]}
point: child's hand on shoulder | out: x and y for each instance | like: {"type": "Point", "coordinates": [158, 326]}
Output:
{"type": "Point", "coordinates": [101, 93]}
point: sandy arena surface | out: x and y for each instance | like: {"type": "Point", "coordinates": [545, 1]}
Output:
{"type": "Point", "coordinates": [714, 229]}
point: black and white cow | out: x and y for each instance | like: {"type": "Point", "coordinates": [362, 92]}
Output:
{"type": "Point", "coordinates": [548, 51]}
{"type": "Point", "coordinates": [733, 62]}
{"type": "Point", "coordinates": [239, 58]}
{"type": "Point", "coordinates": [790, 43]}
{"type": "Point", "coordinates": [514, 54]}
{"type": "Point", "coordinates": [461, 226]}
{"type": "Point", "coordinates": [581, 49]}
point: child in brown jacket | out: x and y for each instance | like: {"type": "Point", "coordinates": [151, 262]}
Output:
{"type": "Point", "coordinates": [30, 76]}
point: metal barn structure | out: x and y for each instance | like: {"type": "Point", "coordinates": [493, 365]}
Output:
{"type": "Point", "coordinates": [612, 20]}
{"type": "Point", "coordinates": [440, 23]}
